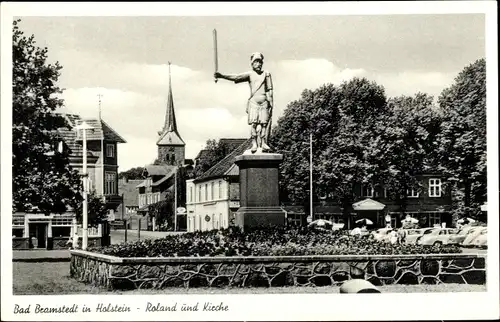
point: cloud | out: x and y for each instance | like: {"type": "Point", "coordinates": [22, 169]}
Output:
{"type": "Point", "coordinates": [409, 83]}
{"type": "Point", "coordinates": [135, 96]}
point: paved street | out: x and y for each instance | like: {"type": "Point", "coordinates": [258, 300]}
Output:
{"type": "Point", "coordinates": [61, 255]}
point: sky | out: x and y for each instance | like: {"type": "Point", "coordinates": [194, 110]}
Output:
{"type": "Point", "coordinates": [126, 60]}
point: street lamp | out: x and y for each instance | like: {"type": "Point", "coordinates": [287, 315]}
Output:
{"type": "Point", "coordinates": [84, 127]}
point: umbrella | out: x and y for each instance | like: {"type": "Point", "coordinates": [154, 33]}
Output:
{"type": "Point", "coordinates": [466, 221]}
{"type": "Point", "coordinates": [411, 220]}
{"type": "Point", "coordinates": [365, 220]}
{"type": "Point", "coordinates": [321, 223]}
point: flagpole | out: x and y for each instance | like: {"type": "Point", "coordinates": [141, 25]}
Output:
{"type": "Point", "coordinates": [311, 177]}
{"type": "Point", "coordinates": [216, 60]}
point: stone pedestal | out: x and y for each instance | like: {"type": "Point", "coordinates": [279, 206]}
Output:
{"type": "Point", "coordinates": [259, 192]}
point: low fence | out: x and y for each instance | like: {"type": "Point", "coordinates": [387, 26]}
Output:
{"type": "Point", "coordinates": [156, 272]}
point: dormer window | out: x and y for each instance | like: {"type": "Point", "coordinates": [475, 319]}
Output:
{"type": "Point", "coordinates": [110, 150]}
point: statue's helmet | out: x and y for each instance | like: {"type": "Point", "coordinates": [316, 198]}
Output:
{"type": "Point", "coordinates": [256, 56]}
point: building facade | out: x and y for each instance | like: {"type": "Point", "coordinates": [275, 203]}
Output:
{"type": "Point", "coordinates": [214, 197]}
{"type": "Point", "coordinates": [430, 204]}
{"type": "Point", "coordinates": [34, 230]}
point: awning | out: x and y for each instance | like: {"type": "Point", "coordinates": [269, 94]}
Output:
{"type": "Point", "coordinates": [368, 204]}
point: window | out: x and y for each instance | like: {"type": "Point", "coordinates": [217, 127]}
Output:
{"type": "Point", "coordinates": [110, 150]}
{"type": "Point", "coordinates": [434, 219]}
{"type": "Point", "coordinates": [61, 231]}
{"type": "Point", "coordinates": [110, 185]}
{"type": "Point", "coordinates": [62, 221]}
{"type": "Point", "coordinates": [220, 190]}
{"type": "Point", "coordinates": [190, 194]}
{"type": "Point", "coordinates": [367, 191]}
{"type": "Point", "coordinates": [294, 219]}
{"type": "Point", "coordinates": [212, 197]}
{"type": "Point", "coordinates": [199, 193]}
{"type": "Point", "coordinates": [17, 232]}
{"type": "Point", "coordinates": [18, 221]}
{"type": "Point", "coordinates": [412, 193]}
{"type": "Point", "coordinates": [206, 192]}
{"type": "Point", "coordinates": [434, 187]}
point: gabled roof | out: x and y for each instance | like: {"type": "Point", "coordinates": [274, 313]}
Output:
{"type": "Point", "coordinates": [170, 138]}
{"type": "Point", "coordinates": [159, 169]}
{"type": "Point", "coordinates": [162, 180]}
{"type": "Point", "coordinates": [368, 204]}
{"type": "Point", "coordinates": [100, 129]}
{"type": "Point", "coordinates": [226, 165]}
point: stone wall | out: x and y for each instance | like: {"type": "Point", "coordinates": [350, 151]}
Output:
{"type": "Point", "coordinates": [20, 243]}
{"type": "Point", "coordinates": [138, 273]}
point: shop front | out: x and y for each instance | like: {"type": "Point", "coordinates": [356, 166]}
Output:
{"type": "Point", "coordinates": [39, 231]}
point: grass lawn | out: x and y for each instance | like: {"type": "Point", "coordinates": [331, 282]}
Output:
{"type": "Point", "coordinates": [53, 279]}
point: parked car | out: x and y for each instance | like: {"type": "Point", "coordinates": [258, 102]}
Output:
{"type": "Point", "coordinates": [437, 236]}
{"type": "Point", "coordinates": [413, 235]}
{"type": "Point", "coordinates": [482, 239]}
{"type": "Point", "coordinates": [460, 236]}
{"type": "Point", "coordinates": [382, 234]}
{"type": "Point", "coordinates": [471, 235]}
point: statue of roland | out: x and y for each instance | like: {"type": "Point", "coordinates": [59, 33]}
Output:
{"type": "Point", "coordinates": [260, 103]}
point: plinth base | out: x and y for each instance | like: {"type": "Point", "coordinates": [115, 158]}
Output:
{"type": "Point", "coordinates": [259, 193]}
{"type": "Point", "coordinates": [251, 217]}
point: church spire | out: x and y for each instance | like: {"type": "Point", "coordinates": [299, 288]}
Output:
{"type": "Point", "coordinates": [169, 134]}
{"type": "Point", "coordinates": [170, 122]}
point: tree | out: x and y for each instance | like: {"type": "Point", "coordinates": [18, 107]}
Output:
{"type": "Point", "coordinates": [342, 120]}
{"type": "Point", "coordinates": [132, 174]}
{"type": "Point", "coordinates": [42, 178]}
{"type": "Point", "coordinates": [405, 147]}
{"type": "Point", "coordinates": [215, 151]}
{"type": "Point", "coordinates": [347, 161]}
{"type": "Point", "coordinates": [97, 212]}
{"type": "Point", "coordinates": [462, 141]}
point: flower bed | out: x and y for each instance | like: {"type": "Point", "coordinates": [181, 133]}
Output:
{"type": "Point", "coordinates": [265, 242]}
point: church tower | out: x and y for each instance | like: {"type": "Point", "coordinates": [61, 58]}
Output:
{"type": "Point", "coordinates": [171, 147]}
